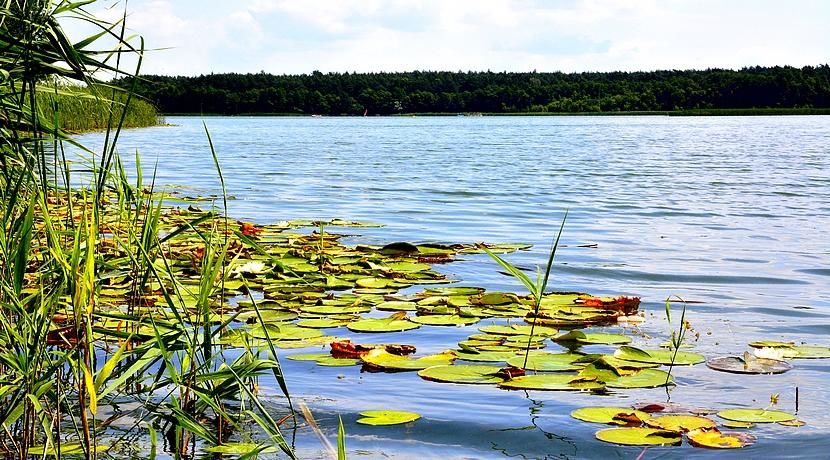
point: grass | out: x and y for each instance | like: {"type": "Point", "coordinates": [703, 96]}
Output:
{"type": "Point", "coordinates": [69, 352]}
{"type": "Point", "coordinates": [77, 108]}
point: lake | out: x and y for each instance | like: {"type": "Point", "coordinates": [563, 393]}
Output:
{"type": "Point", "coordinates": [729, 212]}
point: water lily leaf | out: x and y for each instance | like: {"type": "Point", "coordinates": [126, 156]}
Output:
{"type": "Point", "coordinates": [795, 423]}
{"type": "Point", "coordinates": [549, 362]}
{"type": "Point", "coordinates": [518, 329]}
{"type": "Point", "coordinates": [771, 344]}
{"type": "Point", "coordinates": [336, 310]}
{"type": "Point", "coordinates": [811, 352]}
{"type": "Point", "coordinates": [738, 365]}
{"type": "Point", "coordinates": [453, 291]}
{"type": "Point", "coordinates": [382, 359]}
{"type": "Point", "coordinates": [444, 320]}
{"type": "Point", "coordinates": [593, 338]}
{"type": "Point", "coordinates": [680, 423]}
{"type": "Point", "coordinates": [465, 373]}
{"type": "Point", "coordinates": [331, 361]}
{"type": "Point", "coordinates": [645, 378]}
{"type": "Point", "coordinates": [551, 382]}
{"type": "Point", "coordinates": [486, 356]}
{"type": "Point", "coordinates": [268, 316]}
{"type": "Point", "coordinates": [374, 283]}
{"type": "Point", "coordinates": [639, 436]}
{"type": "Point", "coordinates": [496, 298]}
{"type": "Point", "coordinates": [397, 306]}
{"type": "Point", "coordinates": [756, 415]}
{"type": "Point", "coordinates": [280, 331]}
{"type": "Point", "coordinates": [407, 267]}
{"type": "Point", "coordinates": [391, 324]}
{"type": "Point", "coordinates": [239, 448]}
{"type": "Point", "coordinates": [323, 323]}
{"type": "Point", "coordinates": [735, 424]}
{"type": "Point", "coordinates": [610, 415]}
{"type": "Point", "coordinates": [714, 439]}
{"type": "Point", "coordinates": [665, 357]}
{"type": "Point", "coordinates": [387, 417]}
{"type": "Point", "coordinates": [308, 356]}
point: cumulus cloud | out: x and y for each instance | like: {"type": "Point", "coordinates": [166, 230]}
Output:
{"type": "Point", "coordinates": [288, 36]}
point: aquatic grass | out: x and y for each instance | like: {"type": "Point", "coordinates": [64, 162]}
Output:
{"type": "Point", "coordinates": [676, 338]}
{"type": "Point", "coordinates": [536, 288]}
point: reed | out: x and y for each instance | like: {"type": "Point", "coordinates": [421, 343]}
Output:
{"type": "Point", "coordinates": [78, 108]}
{"type": "Point", "coordinates": [95, 311]}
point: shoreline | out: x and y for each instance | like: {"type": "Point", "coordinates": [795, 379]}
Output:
{"type": "Point", "coordinates": [676, 113]}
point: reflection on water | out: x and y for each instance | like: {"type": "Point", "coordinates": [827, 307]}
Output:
{"type": "Point", "coordinates": [729, 212]}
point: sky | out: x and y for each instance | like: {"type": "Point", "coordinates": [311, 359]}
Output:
{"type": "Point", "coordinates": [192, 37]}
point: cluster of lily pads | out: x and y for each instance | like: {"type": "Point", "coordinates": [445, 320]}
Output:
{"type": "Point", "coordinates": [288, 286]}
{"type": "Point", "coordinates": [667, 424]}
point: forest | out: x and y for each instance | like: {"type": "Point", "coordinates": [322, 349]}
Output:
{"type": "Point", "coordinates": [488, 92]}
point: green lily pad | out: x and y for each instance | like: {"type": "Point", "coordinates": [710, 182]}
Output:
{"type": "Point", "coordinates": [811, 352]}
{"type": "Point", "coordinates": [382, 325]}
{"type": "Point", "coordinates": [645, 378]}
{"type": "Point", "coordinates": [551, 382]}
{"type": "Point", "coordinates": [444, 320]}
{"type": "Point", "coordinates": [335, 310]}
{"type": "Point", "coordinates": [486, 356]}
{"type": "Point", "coordinates": [308, 356]}
{"type": "Point", "coordinates": [382, 359]}
{"type": "Point", "coordinates": [331, 361]}
{"type": "Point", "coordinates": [239, 448]}
{"type": "Point", "coordinates": [665, 357]}
{"type": "Point", "coordinates": [452, 291]}
{"type": "Point", "coordinates": [736, 424]}
{"type": "Point", "coordinates": [322, 323]}
{"type": "Point", "coordinates": [472, 373]}
{"type": "Point", "coordinates": [610, 415]}
{"type": "Point", "coordinates": [387, 417]}
{"type": "Point", "coordinates": [397, 306]}
{"type": "Point", "coordinates": [639, 436]}
{"type": "Point", "coordinates": [680, 423]}
{"type": "Point", "coordinates": [593, 338]}
{"type": "Point", "coordinates": [548, 362]}
{"type": "Point", "coordinates": [756, 415]}
{"type": "Point", "coordinates": [279, 331]}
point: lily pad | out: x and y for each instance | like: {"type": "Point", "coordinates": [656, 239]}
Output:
{"type": "Point", "coordinates": [735, 424]}
{"type": "Point", "coordinates": [639, 436]}
{"type": "Point", "coordinates": [610, 415]}
{"type": "Point", "coordinates": [593, 338]}
{"type": "Point", "coordinates": [382, 359]}
{"type": "Point", "coordinates": [756, 415]}
{"type": "Point", "coordinates": [472, 373]}
{"type": "Point", "coordinates": [645, 378]}
{"type": "Point", "coordinates": [239, 448]}
{"type": "Point", "coordinates": [738, 365]}
{"type": "Point", "coordinates": [387, 417]}
{"type": "Point", "coordinates": [665, 357]}
{"type": "Point", "coordinates": [712, 438]}
{"type": "Point", "coordinates": [551, 382]}
{"type": "Point", "coordinates": [486, 356]}
{"type": "Point", "coordinates": [382, 325]}
{"type": "Point", "coordinates": [444, 320]}
{"type": "Point", "coordinates": [322, 323]}
{"type": "Point", "coordinates": [680, 423]}
{"type": "Point", "coordinates": [397, 306]}
{"type": "Point", "coordinates": [549, 362]}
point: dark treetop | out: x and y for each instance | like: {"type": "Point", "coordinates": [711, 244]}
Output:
{"type": "Point", "coordinates": [489, 92]}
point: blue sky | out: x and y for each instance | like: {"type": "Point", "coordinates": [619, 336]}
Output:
{"type": "Point", "coordinates": [299, 36]}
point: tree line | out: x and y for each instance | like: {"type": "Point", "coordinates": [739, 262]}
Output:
{"type": "Point", "coordinates": [488, 92]}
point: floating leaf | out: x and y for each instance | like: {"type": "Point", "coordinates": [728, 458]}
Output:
{"type": "Point", "coordinates": [738, 365]}
{"type": "Point", "coordinates": [486, 356]}
{"type": "Point", "coordinates": [390, 324]}
{"type": "Point", "coordinates": [471, 373]}
{"type": "Point", "coordinates": [397, 306]}
{"type": "Point", "coordinates": [792, 423]}
{"type": "Point", "coordinates": [382, 359]}
{"type": "Point", "coordinates": [639, 436]}
{"type": "Point", "coordinates": [665, 357]}
{"type": "Point", "coordinates": [551, 382]}
{"type": "Point", "coordinates": [387, 417]}
{"type": "Point", "coordinates": [714, 439]}
{"type": "Point", "coordinates": [734, 424]}
{"type": "Point", "coordinates": [593, 338]}
{"type": "Point", "coordinates": [610, 415]}
{"type": "Point", "coordinates": [680, 423]}
{"type": "Point", "coordinates": [811, 352]}
{"type": "Point", "coordinates": [322, 323]}
{"type": "Point", "coordinates": [756, 415]}
{"type": "Point", "coordinates": [543, 361]}
{"type": "Point", "coordinates": [239, 448]}
{"type": "Point", "coordinates": [645, 378]}
{"type": "Point", "coordinates": [444, 320]}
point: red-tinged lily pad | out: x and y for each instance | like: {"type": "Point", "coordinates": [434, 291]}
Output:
{"type": "Point", "coordinates": [611, 415]}
{"type": "Point", "coordinates": [639, 436]}
{"type": "Point", "coordinates": [713, 438]}
{"type": "Point", "coordinates": [680, 423]}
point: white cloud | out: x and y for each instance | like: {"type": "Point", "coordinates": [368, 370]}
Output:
{"type": "Point", "coordinates": [290, 36]}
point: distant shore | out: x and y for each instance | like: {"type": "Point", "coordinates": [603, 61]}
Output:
{"type": "Point", "coordinates": [675, 113]}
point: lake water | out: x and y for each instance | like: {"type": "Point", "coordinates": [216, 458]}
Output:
{"type": "Point", "coordinates": [729, 212]}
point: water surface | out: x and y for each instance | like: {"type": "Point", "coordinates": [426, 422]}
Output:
{"type": "Point", "coordinates": [730, 212]}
